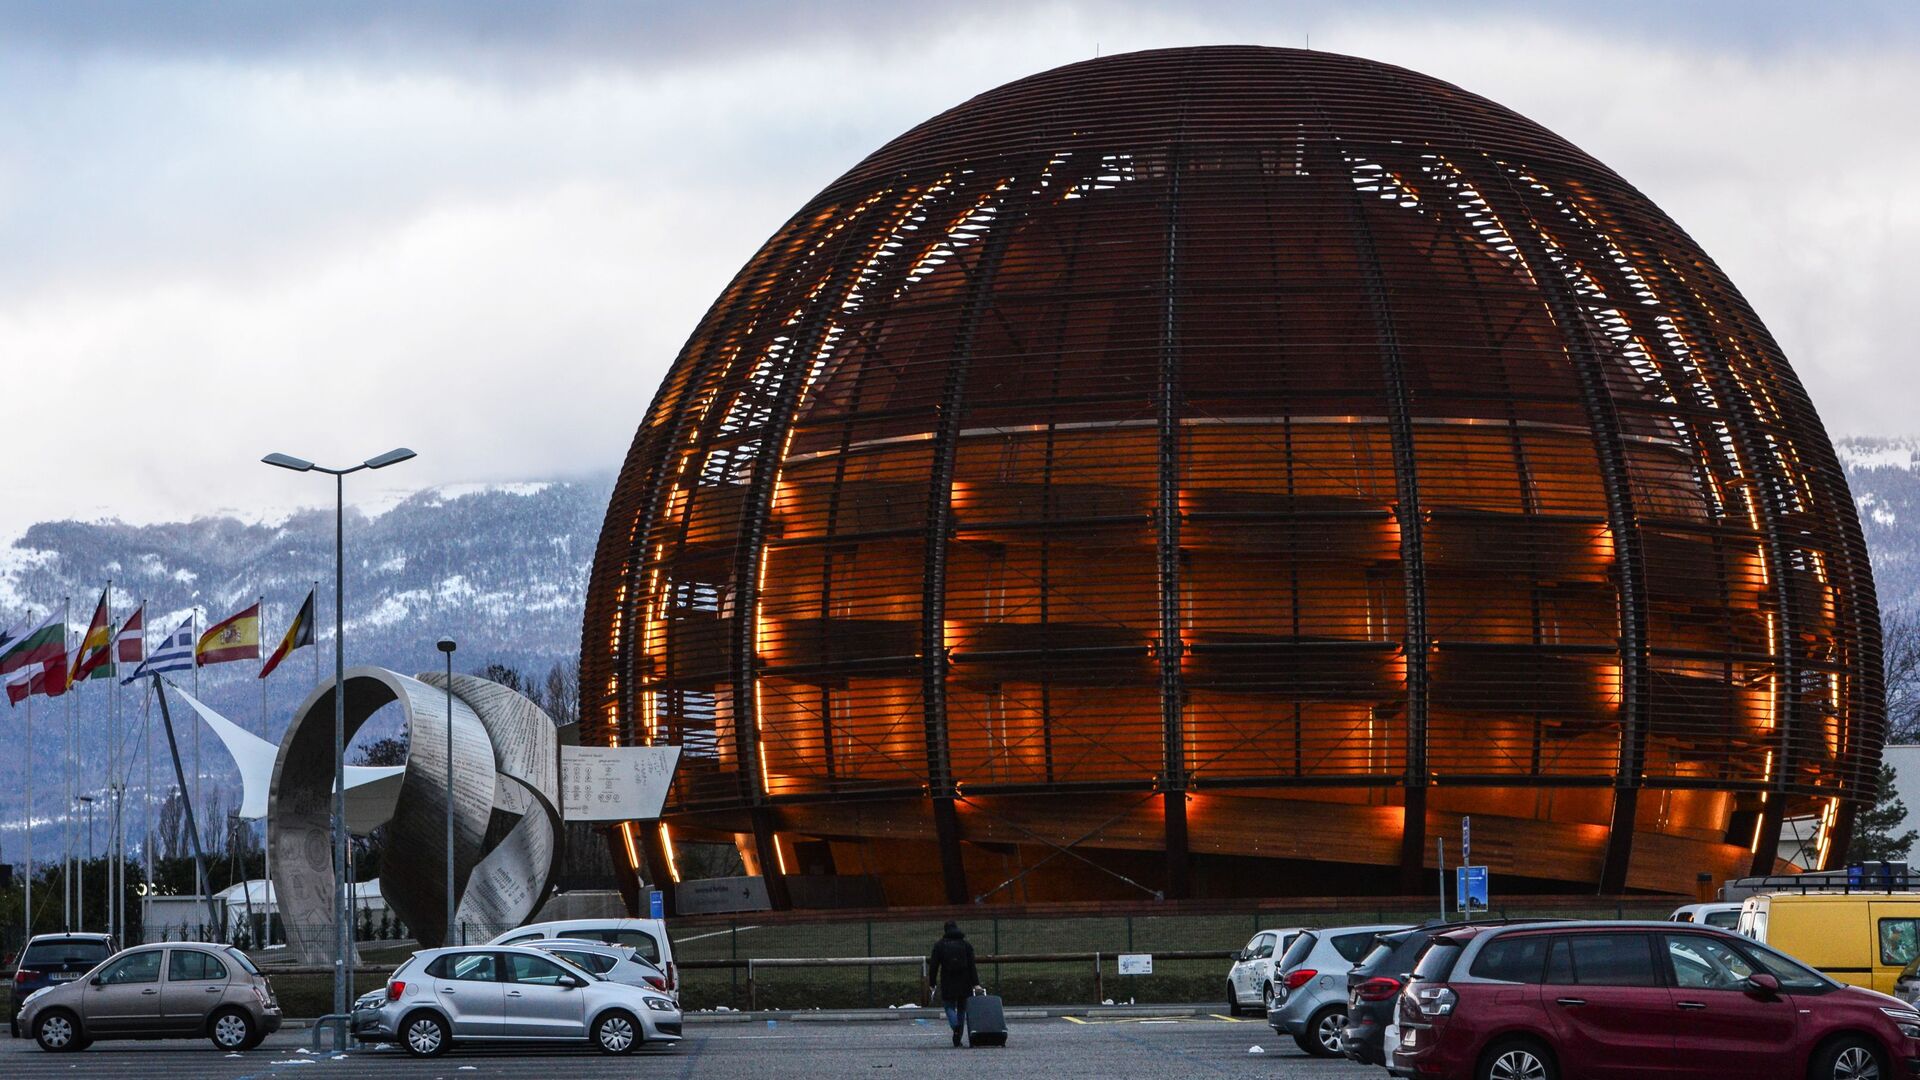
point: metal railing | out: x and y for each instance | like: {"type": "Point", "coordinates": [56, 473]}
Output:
{"type": "Point", "coordinates": [1098, 959]}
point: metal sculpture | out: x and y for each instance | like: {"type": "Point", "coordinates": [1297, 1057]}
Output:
{"type": "Point", "coordinates": [1220, 470]}
{"type": "Point", "coordinates": [504, 751]}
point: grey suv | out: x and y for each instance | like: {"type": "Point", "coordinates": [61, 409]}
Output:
{"type": "Point", "coordinates": [178, 989]}
{"type": "Point", "coordinates": [1311, 985]}
{"type": "Point", "coordinates": [495, 993]}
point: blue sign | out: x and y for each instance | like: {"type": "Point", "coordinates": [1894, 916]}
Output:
{"type": "Point", "coordinates": [656, 904]}
{"type": "Point", "coordinates": [1470, 887]}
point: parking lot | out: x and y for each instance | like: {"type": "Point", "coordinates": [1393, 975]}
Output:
{"type": "Point", "coordinates": [1055, 1048]}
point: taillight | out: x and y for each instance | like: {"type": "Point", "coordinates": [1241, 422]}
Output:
{"type": "Point", "coordinates": [657, 984]}
{"type": "Point", "coordinates": [1300, 977]}
{"type": "Point", "coordinates": [395, 989]}
{"type": "Point", "coordinates": [673, 976]}
{"type": "Point", "coordinates": [1380, 988]}
{"type": "Point", "coordinates": [24, 976]}
{"type": "Point", "coordinates": [1434, 1001]}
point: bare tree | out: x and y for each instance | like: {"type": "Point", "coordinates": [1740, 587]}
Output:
{"type": "Point", "coordinates": [563, 692]}
{"type": "Point", "coordinates": [1900, 660]}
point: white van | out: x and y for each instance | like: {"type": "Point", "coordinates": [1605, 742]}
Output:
{"type": "Point", "coordinates": [646, 936]}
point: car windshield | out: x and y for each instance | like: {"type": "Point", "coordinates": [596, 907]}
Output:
{"type": "Point", "coordinates": [1297, 952]}
{"type": "Point", "coordinates": [44, 954]}
{"type": "Point", "coordinates": [1725, 920]}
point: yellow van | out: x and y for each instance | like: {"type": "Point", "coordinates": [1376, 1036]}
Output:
{"type": "Point", "coordinates": [1859, 938]}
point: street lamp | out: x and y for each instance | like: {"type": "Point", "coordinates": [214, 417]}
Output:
{"type": "Point", "coordinates": [80, 894]}
{"type": "Point", "coordinates": [341, 915]}
{"type": "Point", "coordinates": [446, 645]}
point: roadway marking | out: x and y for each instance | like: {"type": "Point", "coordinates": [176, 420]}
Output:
{"type": "Point", "coordinates": [1137, 1020]}
{"type": "Point", "coordinates": [716, 933]}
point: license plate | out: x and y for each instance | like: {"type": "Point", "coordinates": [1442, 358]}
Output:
{"type": "Point", "coordinates": [64, 976]}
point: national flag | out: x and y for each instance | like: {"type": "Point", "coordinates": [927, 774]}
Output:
{"type": "Point", "coordinates": [130, 647]}
{"type": "Point", "coordinates": [8, 637]}
{"type": "Point", "coordinates": [44, 643]}
{"type": "Point", "coordinates": [236, 637]}
{"type": "Point", "coordinates": [175, 653]}
{"type": "Point", "coordinates": [95, 652]}
{"type": "Point", "coordinates": [300, 634]}
{"type": "Point", "coordinates": [48, 679]}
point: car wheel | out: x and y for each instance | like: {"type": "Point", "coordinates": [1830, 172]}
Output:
{"type": "Point", "coordinates": [424, 1035]}
{"type": "Point", "coordinates": [231, 1029]}
{"type": "Point", "coordinates": [616, 1032]}
{"type": "Point", "coordinates": [1322, 1037]}
{"type": "Point", "coordinates": [57, 1032]}
{"type": "Point", "coordinates": [1266, 997]}
{"type": "Point", "coordinates": [1516, 1059]}
{"type": "Point", "coordinates": [1849, 1058]}
{"type": "Point", "coordinates": [1233, 1000]}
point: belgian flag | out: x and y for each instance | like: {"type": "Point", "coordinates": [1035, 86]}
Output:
{"type": "Point", "coordinates": [298, 635]}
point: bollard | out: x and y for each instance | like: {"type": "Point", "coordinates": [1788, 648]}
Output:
{"type": "Point", "coordinates": [1099, 986]}
{"type": "Point", "coordinates": [753, 999]}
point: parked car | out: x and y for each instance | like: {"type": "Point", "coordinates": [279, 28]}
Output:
{"type": "Point", "coordinates": [1865, 939]}
{"type": "Point", "coordinates": [50, 959]}
{"type": "Point", "coordinates": [492, 993]}
{"type": "Point", "coordinates": [1250, 980]}
{"type": "Point", "coordinates": [616, 963]}
{"type": "Point", "coordinates": [646, 936]}
{"type": "Point", "coordinates": [1310, 1000]}
{"type": "Point", "coordinates": [1726, 916]}
{"type": "Point", "coordinates": [175, 989]}
{"type": "Point", "coordinates": [1616, 999]}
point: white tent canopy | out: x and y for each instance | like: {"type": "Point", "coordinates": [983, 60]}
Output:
{"type": "Point", "coordinates": [367, 808]}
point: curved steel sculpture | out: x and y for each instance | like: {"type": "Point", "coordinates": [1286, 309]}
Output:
{"type": "Point", "coordinates": [1235, 465]}
{"type": "Point", "coordinates": [503, 750]}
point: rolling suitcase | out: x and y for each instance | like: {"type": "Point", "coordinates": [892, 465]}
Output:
{"type": "Point", "coordinates": [986, 1020]}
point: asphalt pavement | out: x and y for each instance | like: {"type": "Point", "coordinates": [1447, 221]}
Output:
{"type": "Point", "coordinates": [1057, 1048]}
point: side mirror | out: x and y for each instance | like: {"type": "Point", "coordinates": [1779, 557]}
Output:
{"type": "Point", "coordinates": [569, 982]}
{"type": "Point", "coordinates": [1764, 982]}
{"type": "Point", "coordinates": [1242, 956]}
{"type": "Point", "coordinates": [97, 980]}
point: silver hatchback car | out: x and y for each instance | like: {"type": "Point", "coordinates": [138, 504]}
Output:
{"type": "Point", "coordinates": [1311, 1004]}
{"type": "Point", "coordinates": [498, 993]}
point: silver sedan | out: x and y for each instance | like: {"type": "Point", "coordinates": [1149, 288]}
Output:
{"type": "Point", "coordinates": [494, 993]}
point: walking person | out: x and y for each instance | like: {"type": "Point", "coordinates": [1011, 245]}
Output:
{"type": "Point", "coordinates": [950, 965]}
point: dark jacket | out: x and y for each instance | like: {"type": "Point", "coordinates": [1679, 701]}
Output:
{"type": "Point", "coordinates": [950, 966]}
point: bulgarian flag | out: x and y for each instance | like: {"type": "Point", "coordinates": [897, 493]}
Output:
{"type": "Point", "coordinates": [94, 660]}
{"type": "Point", "coordinates": [298, 635]}
{"type": "Point", "coordinates": [236, 637]}
{"type": "Point", "coordinates": [36, 646]}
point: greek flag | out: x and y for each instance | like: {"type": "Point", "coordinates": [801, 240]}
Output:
{"type": "Point", "coordinates": [173, 654]}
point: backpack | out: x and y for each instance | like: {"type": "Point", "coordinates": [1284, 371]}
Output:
{"type": "Point", "coordinates": [955, 957]}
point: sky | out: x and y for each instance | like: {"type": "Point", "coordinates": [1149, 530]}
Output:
{"type": "Point", "coordinates": [483, 229]}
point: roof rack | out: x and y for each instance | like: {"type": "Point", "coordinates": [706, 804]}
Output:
{"type": "Point", "coordinates": [1871, 877]}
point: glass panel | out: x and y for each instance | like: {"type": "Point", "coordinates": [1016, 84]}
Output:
{"type": "Point", "coordinates": [532, 969]}
{"type": "Point", "coordinates": [1701, 963]}
{"type": "Point", "coordinates": [138, 968]}
{"type": "Point", "coordinates": [1514, 958]}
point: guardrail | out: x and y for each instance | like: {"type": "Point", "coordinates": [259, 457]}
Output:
{"type": "Point", "coordinates": [1097, 959]}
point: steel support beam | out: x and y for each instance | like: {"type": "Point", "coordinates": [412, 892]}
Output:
{"type": "Point", "coordinates": [1413, 562]}
{"type": "Point", "coordinates": [1168, 406]}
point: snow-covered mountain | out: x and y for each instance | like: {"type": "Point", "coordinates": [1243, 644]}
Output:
{"type": "Point", "coordinates": [1884, 474]}
{"type": "Point", "coordinates": [500, 568]}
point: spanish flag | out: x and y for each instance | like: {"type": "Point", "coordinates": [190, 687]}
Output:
{"type": "Point", "coordinates": [298, 635]}
{"type": "Point", "coordinates": [94, 660]}
{"type": "Point", "coordinates": [236, 637]}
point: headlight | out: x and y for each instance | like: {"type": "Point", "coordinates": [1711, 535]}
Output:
{"type": "Point", "coordinates": [35, 994]}
{"type": "Point", "coordinates": [661, 1004]}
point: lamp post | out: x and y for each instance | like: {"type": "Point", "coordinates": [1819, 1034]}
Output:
{"type": "Point", "coordinates": [342, 947]}
{"type": "Point", "coordinates": [446, 645]}
{"type": "Point", "coordinates": [80, 894]}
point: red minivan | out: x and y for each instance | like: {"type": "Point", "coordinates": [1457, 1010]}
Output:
{"type": "Point", "coordinates": [1604, 1000]}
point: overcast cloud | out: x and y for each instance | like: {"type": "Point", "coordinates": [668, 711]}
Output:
{"type": "Point", "coordinates": [484, 229]}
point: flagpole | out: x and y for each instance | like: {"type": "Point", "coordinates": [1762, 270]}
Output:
{"type": "Point", "coordinates": [66, 818]}
{"type": "Point", "coordinates": [146, 848]}
{"type": "Point", "coordinates": [246, 877]}
{"type": "Point", "coordinates": [193, 830]}
{"type": "Point", "coordinates": [29, 905]}
{"type": "Point", "coordinates": [196, 694]}
{"type": "Point", "coordinates": [113, 757]}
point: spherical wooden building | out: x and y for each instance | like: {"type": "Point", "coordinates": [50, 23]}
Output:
{"type": "Point", "coordinates": [1214, 472]}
